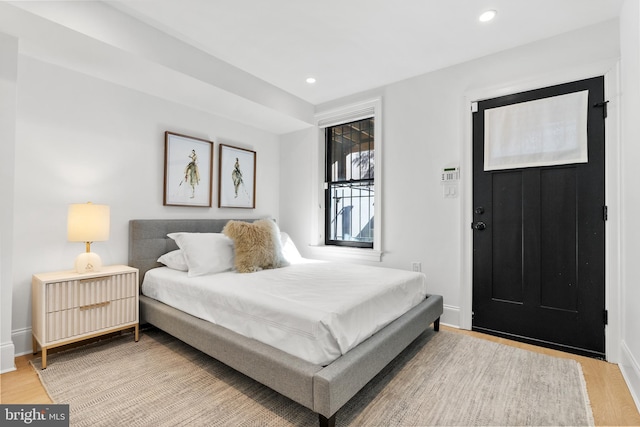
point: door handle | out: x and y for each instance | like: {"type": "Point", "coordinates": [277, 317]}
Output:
{"type": "Point", "coordinates": [479, 226]}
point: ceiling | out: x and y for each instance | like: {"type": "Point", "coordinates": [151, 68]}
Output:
{"type": "Point", "coordinates": [247, 60]}
{"type": "Point", "coordinates": [351, 46]}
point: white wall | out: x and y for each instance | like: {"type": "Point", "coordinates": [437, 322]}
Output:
{"type": "Point", "coordinates": [295, 186]}
{"type": "Point", "coordinates": [424, 129]}
{"type": "Point", "coordinates": [82, 139]}
{"type": "Point", "coordinates": [630, 154]}
{"type": "Point", "coordinates": [8, 76]}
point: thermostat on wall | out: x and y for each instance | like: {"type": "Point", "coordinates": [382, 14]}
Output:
{"type": "Point", "coordinates": [450, 174]}
{"type": "Point", "coordinates": [449, 180]}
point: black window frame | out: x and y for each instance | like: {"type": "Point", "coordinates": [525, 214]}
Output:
{"type": "Point", "coordinates": [349, 183]}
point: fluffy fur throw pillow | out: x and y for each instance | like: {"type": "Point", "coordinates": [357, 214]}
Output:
{"type": "Point", "coordinates": [257, 245]}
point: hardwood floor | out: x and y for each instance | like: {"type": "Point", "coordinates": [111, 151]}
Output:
{"type": "Point", "coordinates": [23, 384]}
{"type": "Point", "coordinates": [609, 395]}
{"type": "Point", "coordinates": [611, 401]}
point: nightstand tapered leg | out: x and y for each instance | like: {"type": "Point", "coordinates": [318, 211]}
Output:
{"type": "Point", "coordinates": [44, 358]}
{"type": "Point", "coordinates": [135, 333]}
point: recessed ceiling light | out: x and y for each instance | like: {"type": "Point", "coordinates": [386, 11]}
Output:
{"type": "Point", "coordinates": [487, 16]}
{"type": "Point", "coordinates": [311, 80]}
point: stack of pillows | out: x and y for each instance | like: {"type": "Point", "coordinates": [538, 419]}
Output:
{"type": "Point", "coordinates": [245, 246]}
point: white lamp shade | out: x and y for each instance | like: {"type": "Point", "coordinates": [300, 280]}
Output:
{"type": "Point", "coordinates": [88, 223]}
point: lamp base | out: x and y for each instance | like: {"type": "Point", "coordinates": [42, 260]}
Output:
{"type": "Point", "coordinates": [88, 262]}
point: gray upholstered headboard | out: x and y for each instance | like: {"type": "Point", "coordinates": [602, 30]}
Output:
{"type": "Point", "coordinates": [148, 238]}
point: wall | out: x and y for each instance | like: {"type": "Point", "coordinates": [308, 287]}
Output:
{"type": "Point", "coordinates": [8, 77]}
{"type": "Point", "coordinates": [295, 186]}
{"type": "Point", "coordinates": [82, 139]}
{"type": "Point", "coordinates": [425, 121]}
{"type": "Point", "coordinates": [630, 155]}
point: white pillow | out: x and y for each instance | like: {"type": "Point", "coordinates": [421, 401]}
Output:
{"type": "Point", "coordinates": [174, 260]}
{"type": "Point", "coordinates": [205, 253]}
{"type": "Point", "coordinates": [289, 249]}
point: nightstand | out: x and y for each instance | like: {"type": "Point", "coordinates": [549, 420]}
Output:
{"type": "Point", "coordinates": [69, 306]}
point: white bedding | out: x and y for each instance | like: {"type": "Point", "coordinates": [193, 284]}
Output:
{"type": "Point", "coordinates": [313, 310]}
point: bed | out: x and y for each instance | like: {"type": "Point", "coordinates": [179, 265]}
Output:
{"type": "Point", "coordinates": [321, 388]}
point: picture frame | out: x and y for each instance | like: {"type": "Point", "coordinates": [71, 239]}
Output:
{"type": "Point", "coordinates": [188, 170]}
{"type": "Point", "coordinates": [236, 177]}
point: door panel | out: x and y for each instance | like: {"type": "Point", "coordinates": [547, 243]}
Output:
{"type": "Point", "coordinates": [507, 235]}
{"type": "Point", "coordinates": [538, 245]}
{"type": "Point", "coordinates": [558, 275]}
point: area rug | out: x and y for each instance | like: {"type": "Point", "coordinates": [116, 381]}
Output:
{"type": "Point", "coordinates": [443, 378]}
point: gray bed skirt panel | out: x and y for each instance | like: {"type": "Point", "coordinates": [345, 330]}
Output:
{"type": "Point", "coordinates": [337, 383]}
{"type": "Point", "coordinates": [321, 389]}
{"type": "Point", "coordinates": [284, 373]}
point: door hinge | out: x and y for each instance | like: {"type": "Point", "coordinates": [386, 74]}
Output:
{"type": "Point", "coordinates": [606, 317]}
{"type": "Point", "coordinates": [602, 105]}
{"type": "Point", "coordinates": [605, 213]}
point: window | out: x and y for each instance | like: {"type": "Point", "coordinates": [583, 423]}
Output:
{"type": "Point", "coordinates": [350, 193]}
{"type": "Point", "coordinates": [348, 181]}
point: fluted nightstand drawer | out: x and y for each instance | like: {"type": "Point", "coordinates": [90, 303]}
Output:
{"type": "Point", "coordinates": [64, 295]}
{"type": "Point", "coordinates": [90, 318]}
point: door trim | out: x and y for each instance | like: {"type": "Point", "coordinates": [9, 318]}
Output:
{"type": "Point", "coordinates": [610, 70]}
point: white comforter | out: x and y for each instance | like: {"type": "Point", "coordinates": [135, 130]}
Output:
{"type": "Point", "coordinates": [313, 310]}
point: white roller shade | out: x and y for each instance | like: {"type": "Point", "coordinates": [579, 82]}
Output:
{"type": "Point", "coordinates": [544, 132]}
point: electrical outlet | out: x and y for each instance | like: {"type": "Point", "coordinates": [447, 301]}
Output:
{"type": "Point", "coordinates": [416, 266]}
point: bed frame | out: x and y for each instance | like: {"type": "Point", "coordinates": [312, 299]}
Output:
{"type": "Point", "coordinates": [323, 389]}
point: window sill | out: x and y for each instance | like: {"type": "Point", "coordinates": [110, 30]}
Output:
{"type": "Point", "coordinates": [341, 253]}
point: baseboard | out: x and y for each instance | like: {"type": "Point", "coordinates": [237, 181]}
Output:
{"type": "Point", "coordinates": [630, 369]}
{"type": "Point", "coordinates": [450, 316]}
{"type": "Point", "coordinates": [7, 356]}
{"type": "Point", "coordinates": [22, 341]}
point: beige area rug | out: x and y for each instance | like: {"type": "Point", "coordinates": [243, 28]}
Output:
{"type": "Point", "coordinates": [443, 378]}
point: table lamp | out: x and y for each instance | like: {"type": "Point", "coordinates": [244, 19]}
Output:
{"type": "Point", "coordinates": [88, 223]}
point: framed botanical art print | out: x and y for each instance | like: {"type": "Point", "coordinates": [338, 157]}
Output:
{"type": "Point", "coordinates": [188, 170]}
{"type": "Point", "coordinates": [236, 178]}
